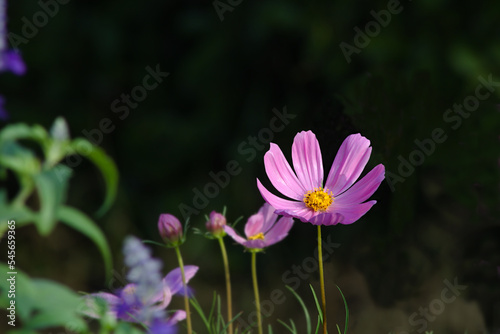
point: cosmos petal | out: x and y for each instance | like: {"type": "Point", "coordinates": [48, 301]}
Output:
{"type": "Point", "coordinates": [279, 230]}
{"type": "Point", "coordinates": [276, 202]}
{"type": "Point", "coordinates": [254, 225]}
{"type": "Point", "coordinates": [267, 212]}
{"type": "Point", "coordinates": [303, 213]}
{"type": "Point", "coordinates": [281, 174]}
{"type": "Point", "coordinates": [307, 161]}
{"type": "Point", "coordinates": [327, 219]}
{"type": "Point", "coordinates": [352, 213]}
{"type": "Point", "coordinates": [255, 244]}
{"type": "Point", "coordinates": [364, 188]}
{"type": "Point", "coordinates": [232, 233]}
{"type": "Point", "coordinates": [349, 162]}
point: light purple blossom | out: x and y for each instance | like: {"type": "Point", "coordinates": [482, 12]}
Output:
{"type": "Point", "coordinates": [145, 299]}
{"type": "Point", "coordinates": [339, 200]}
{"type": "Point", "coordinates": [10, 60]}
{"type": "Point", "coordinates": [262, 230]}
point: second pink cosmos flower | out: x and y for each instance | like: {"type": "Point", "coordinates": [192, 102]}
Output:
{"type": "Point", "coordinates": [340, 199]}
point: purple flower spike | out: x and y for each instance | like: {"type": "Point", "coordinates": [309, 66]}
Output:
{"type": "Point", "coordinates": [340, 199]}
{"type": "Point", "coordinates": [10, 60]}
{"type": "Point", "coordinates": [146, 298]}
{"type": "Point", "coordinates": [262, 230]}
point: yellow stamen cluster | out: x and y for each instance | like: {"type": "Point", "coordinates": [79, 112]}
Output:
{"type": "Point", "coordinates": [257, 236]}
{"type": "Point", "coordinates": [319, 199]}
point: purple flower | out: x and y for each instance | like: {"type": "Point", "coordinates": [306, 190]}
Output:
{"type": "Point", "coordinates": [162, 327]}
{"type": "Point", "coordinates": [339, 200]}
{"type": "Point", "coordinates": [262, 230]}
{"type": "Point", "coordinates": [126, 304]}
{"type": "Point", "coordinates": [146, 298]}
{"type": "Point", "coordinates": [170, 229]}
{"type": "Point", "coordinates": [10, 60]}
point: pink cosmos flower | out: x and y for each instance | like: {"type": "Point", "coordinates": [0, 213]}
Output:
{"type": "Point", "coordinates": [337, 201]}
{"type": "Point", "coordinates": [262, 230]}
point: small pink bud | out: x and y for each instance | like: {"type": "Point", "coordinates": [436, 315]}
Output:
{"type": "Point", "coordinates": [216, 224]}
{"type": "Point", "coordinates": [170, 229]}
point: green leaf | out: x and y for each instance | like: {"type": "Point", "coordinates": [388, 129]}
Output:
{"type": "Point", "coordinates": [82, 223]}
{"type": "Point", "coordinates": [22, 215]}
{"type": "Point", "coordinates": [104, 163]}
{"type": "Point", "coordinates": [304, 308]}
{"type": "Point", "coordinates": [56, 305]}
{"type": "Point", "coordinates": [52, 187]}
{"type": "Point", "coordinates": [127, 328]}
{"type": "Point", "coordinates": [22, 331]}
{"type": "Point", "coordinates": [18, 131]}
{"type": "Point", "coordinates": [318, 307]}
{"type": "Point", "coordinates": [291, 329]}
{"type": "Point", "coordinates": [42, 303]}
{"type": "Point", "coordinates": [346, 310]}
{"type": "Point", "coordinates": [17, 158]}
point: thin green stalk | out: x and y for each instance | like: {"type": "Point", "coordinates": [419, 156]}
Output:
{"type": "Point", "coordinates": [256, 290]}
{"type": "Point", "coordinates": [186, 300]}
{"type": "Point", "coordinates": [228, 285]}
{"type": "Point", "coordinates": [322, 279]}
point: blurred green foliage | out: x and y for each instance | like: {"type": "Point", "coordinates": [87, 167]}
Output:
{"type": "Point", "coordinates": [43, 182]}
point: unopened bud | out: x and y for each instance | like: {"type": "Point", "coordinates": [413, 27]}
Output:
{"type": "Point", "coordinates": [170, 229]}
{"type": "Point", "coordinates": [215, 225]}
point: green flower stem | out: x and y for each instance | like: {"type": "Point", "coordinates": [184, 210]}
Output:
{"type": "Point", "coordinates": [186, 300]}
{"type": "Point", "coordinates": [228, 285]}
{"type": "Point", "coordinates": [322, 279]}
{"type": "Point", "coordinates": [256, 289]}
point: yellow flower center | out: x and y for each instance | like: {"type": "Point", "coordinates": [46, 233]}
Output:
{"type": "Point", "coordinates": [318, 199]}
{"type": "Point", "coordinates": [257, 236]}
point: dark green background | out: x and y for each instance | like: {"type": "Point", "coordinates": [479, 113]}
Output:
{"type": "Point", "coordinates": [225, 79]}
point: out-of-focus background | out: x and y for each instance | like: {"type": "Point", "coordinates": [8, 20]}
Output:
{"type": "Point", "coordinates": [175, 91]}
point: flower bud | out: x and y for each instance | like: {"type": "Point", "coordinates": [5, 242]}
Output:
{"type": "Point", "coordinates": [216, 224]}
{"type": "Point", "coordinates": [170, 229]}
